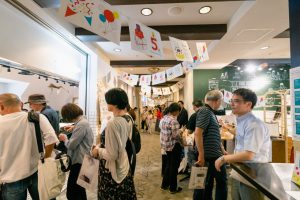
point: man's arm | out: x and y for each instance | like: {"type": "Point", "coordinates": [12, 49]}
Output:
{"type": "Point", "coordinates": [238, 157]}
{"type": "Point", "coordinates": [199, 144]}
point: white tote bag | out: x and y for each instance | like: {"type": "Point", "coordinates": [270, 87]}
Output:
{"type": "Point", "coordinates": [197, 178]}
{"type": "Point", "coordinates": [88, 175]}
{"type": "Point", "coordinates": [51, 177]}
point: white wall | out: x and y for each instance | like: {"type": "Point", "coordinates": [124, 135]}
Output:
{"type": "Point", "coordinates": [24, 86]}
{"type": "Point", "coordinates": [27, 42]}
{"type": "Point", "coordinates": [189, 92]}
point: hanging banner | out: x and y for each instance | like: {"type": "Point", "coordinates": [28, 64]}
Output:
{"type": "Point", "coordinates": [227, 97]}
{"type": "Point", "coordinates": [166, 91]}
{"type": "Point", "coordinates": [133, 80]}
{"type": "Point", "coordinates": [157, 91]}
{"type": "Point", "coordinates": [174, 88]}
{"type": "Point", "coordinates": [145, 39]}
{"type": "Point", "coordinates": [94, 15]}
{"type": "Point", "coordinates": [158, 78]}
{"type": "Point", "coordinates": [174, 72]}
{"type": "Point", "coordinates": [202, 51]}
{"type": "Point", "coordinates": [187, 66]}
{"type": "Point", "coordinates": [181, 50]}
{"type": "Point", "coordinates": [295, 101]}
{"type": "Point", "coordinates": [146, 90]}
{"type": "Point", "coordinates": [145, 80]}
{"type": "Point", "coordinates": [180, 84]}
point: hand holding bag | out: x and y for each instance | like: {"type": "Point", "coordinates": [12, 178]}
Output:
{"type": "Point", "coordinates": [51, 172]}
{"type": "Point", "coordinates": [197, 178]}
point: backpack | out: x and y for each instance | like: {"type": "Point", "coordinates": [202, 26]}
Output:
{"type": "Point", "coordinates": [135, 138]}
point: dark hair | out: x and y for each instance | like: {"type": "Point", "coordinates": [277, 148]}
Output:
{"type": "Point", "coordinates": [172, 108]}
{"type": "Point", "coordinates": [132, 114]}
{"type": "Point", "coordinates": [117, 97]}
{"type": "Point", "coordinates": [247, 95]}
{"type": "Point", "coordinates": [181, 102]}
{"type": "Point", "coordinates": [71, 111]}
{"type": "Point", "coordinates": [197, 103]}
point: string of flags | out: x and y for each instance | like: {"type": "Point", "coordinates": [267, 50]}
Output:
{"type": "Point", "coordinates": [102, 19]}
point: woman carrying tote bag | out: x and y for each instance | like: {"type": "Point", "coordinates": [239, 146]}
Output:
{"type": "Point", "coordinates": [115, 177]}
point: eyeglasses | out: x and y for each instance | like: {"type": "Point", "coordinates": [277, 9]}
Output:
{"type": "Point", "coordinates": [236, 101]}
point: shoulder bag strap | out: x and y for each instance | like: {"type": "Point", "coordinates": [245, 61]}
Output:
{"type": "Point", "coordinates": [34, 118]}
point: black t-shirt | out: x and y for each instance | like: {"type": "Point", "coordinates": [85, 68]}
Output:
{"type": "Point", "coordinates": [191, 125]}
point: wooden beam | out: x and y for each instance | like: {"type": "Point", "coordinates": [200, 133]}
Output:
{"type": "Point", "coordinates": [184, 32]}
{"type": "Point", "coordinates": [143, 63]}
{"type": "Point", "coordinates": [135, 2]}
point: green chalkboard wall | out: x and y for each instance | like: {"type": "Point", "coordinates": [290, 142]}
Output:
{"type": "Point", "coordinates": [232, 78]}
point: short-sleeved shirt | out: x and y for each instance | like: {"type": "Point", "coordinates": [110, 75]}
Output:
{"type": "Point", "coordinates": [169, 132]}
{"type": "Point", "coordinates": [207, 121]}
{"type": "Point", "coordinates": [252, 135]}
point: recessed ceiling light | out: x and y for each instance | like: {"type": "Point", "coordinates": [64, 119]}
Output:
{"type": "Point", "coordinates": [131, 69]}
{"type": "Point", "coordinates": [146, 11]}
{"type": "Point", "coordinates": [205, 10]}
{"type": "Point", "coordinates": [117, 50]}
{"type": "Point", "coordinates": [264, 48]}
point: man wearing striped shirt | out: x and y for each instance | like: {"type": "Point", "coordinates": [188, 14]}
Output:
{"type": "Point", "coordinates": [208, 142]}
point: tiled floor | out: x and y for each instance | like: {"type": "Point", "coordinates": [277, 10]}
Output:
{"type": "Point", "coordinates": [147, 177]}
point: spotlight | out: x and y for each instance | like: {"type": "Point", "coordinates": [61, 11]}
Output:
{"type": "Point", "coordinates": [146, 11]}
{"type": "Point", "coordinates": [46, 79]}
{"type": "Point", "coordinates": [56, 81]}
{"type": "Point", "coordinates": [39, 77]}
{"type": "Point", "coordinates": [8, 69]}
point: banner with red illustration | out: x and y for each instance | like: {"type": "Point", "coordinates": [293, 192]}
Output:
{"type": "Point", "coordinates": [158, 78]}
{"type": "Point", "coordinates": [145, 39]}
{"type": "Point", "coordinates": [94, 15]}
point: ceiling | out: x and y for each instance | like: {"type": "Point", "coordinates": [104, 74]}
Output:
{"type": "Point", "coordinates": [251, 24]}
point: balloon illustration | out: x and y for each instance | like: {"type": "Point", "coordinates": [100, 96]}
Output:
{"type": "Point", "coordinates": [102, 18]}
{"type": "Point", "coordinates": [109, 16]}
{"type": "Point", "coordinates": [116, 15]}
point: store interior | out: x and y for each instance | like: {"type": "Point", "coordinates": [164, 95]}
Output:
{"type": "Point", "coordinates": [248, 43]}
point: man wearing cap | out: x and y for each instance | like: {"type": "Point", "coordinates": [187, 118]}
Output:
{"type": "Point", "coordinates": [19, 153]}
{"type": "Point", "coordinates": [38, 103]}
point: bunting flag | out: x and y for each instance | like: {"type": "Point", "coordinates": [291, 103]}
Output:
{"type": "Point", "coordinates": [202, 51]}
{"type": "Point", "coordinates": [174, 72]}
{"type": "Point", "coordinates": [166, 91]}
{"type": "Point", "coordinates": [133, 80]}
{"type": "Point", "coordinates": [181, 50]}
{"type": "Point", "coordinates": [187, 66]}
{"type": "Point", "coordinates": [94, 15]}
{"type": "Point", "coordinates": [174, 88]}
{"type": "Point", "coordinates": [180, 84]}
{"type": "Point", "coordinates": [157, 91]}
{"type": "Point", "coordinates": [227, 96]}
{"type": "Point", "coordinates": [145, 39]}
{"type": "Point", "coordinates": [145, 80]}
{"type": "Point", "coordinates": [146, 90]}
{"type": "Point", "coordinates": [158, 78]}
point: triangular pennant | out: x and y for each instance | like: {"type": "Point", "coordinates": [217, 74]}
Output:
{"type": "Point", "coordinates": [69, 12]}
{"type": "Point", "coordinates": [89, 20]}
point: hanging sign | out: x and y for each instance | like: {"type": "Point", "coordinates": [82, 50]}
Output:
{"type": "Point", "coordinates": [158, 78]}
{"type": "Point", "coordinates": [145, 39]}
{"type": "Point", "coordinates": [145, 79]}
{"type": "Point", "coordinates": [181, 50]}
{"type": "Point", "coordinates": [174, 72]}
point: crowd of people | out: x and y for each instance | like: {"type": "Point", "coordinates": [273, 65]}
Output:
{"type": "Point", "coordinates": [18, 144]}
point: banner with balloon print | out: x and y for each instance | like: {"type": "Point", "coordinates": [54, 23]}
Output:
{"type": "Point", "coordinates": [94, 15]}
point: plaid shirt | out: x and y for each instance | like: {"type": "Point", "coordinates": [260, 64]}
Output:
{"type": "Point", "coordinates": [169, 132]}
